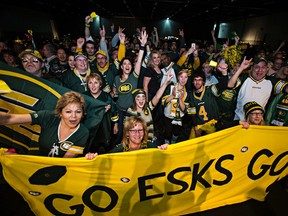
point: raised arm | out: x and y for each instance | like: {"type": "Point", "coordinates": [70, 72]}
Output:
{"type": "Point", "coordinates": [143, 40]}
{"type": "Point", "coordinates": [237, 39]}
{"type": "Point", "coordinates": [214, 38]}
{"type": "Point", "coordinates": [155, 38]}
{"type": "Point", "coordinates": [122, 47]}
{"type": "Point", "coordinates": [181, 39]}
{"type": "Point", "coordinates": [88, 20]}
{"type": "Point", "coordinates": [103, 44]}
{"type": "Point", "coordinates": [80, 43]}
{"type": "Point", "coordinates": [279, 48]}
{"type": "Point", "coordinates": [184, 56]}
{"type": "Point", "coordinates": [115, 38]}
{"type": "Point", "coordinates": [244, 65]}
{"type": "Point", "coordinates": [161, 90]}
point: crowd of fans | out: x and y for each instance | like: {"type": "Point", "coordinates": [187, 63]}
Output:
{"type": "Point", "coordinates": [181, 91]}
{"type": "Point", "coordinates": [157, 92]}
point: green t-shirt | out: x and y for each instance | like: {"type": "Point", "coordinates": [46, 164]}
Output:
{"type": "Point", "coordinates": [120, 148]}
{"type": "Point", "coordinates": [49, 143]}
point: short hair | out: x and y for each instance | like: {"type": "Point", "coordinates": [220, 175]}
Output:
{"type": "Point", "coordinates": [181, 72]}
{"type": "Point", "coordinates": [90, 42]}
{"type": "Point", "coordinates": [199, 74]}
{"type": "Point", "coordinates": [94, 76]}
{"type": "Point", "coordinates": [67, 98]}
{"type": "Point", "coordinates": [51, 48]}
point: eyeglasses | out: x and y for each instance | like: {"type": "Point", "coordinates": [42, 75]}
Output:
{"type": "Point", "coordinates": [33, 59]}
{"type": "Point", "coordinates": [256, 114]}
{"type": "Point", "coordinates": [141, 131]}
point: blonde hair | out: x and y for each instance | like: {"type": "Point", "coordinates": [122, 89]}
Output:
{"type": "Point", "coordinates": [150, 59]}
{"type": "Point", "coordinates": [181, 72]}
{"type": "Point", "coordinates": [261, 123]}
{"type": "Point", "coordinates": [96, 76]}
{"type": "Point", "coordinates": [129, 123]}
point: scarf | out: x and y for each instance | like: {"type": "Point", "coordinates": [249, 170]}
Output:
{"type": "Point", "coordinates": [175, 106]}
{"type": "Point", "coordinates": [103, 70]}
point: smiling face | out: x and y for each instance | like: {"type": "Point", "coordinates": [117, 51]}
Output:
{"type": "Point", "coordinates": [61, 54]}
{"type": "Point", "coordinates": [255, 117]}
{"type": "Point", "coordinates": [207, 70]}
{"type": "Point", "coordinates": [182, 78]}
{"type": "Point", "coordinates": [136, 134]}
{"type": "Point", "coordinates": [259, 71]}
{"type": "Point", "coordinates": [94, 85]}
{"type": "Point", "coordinates": [198, 83]}
{"type": "Point", "coordinates": [71, 62]}
{"type": "Point", "coordinates": [126, 66]}
{"type": "Point", "coordinates": [71, 115]}
{"type": "Point", "coordinates": [140, 101]}
{"type": "Point", "coordinates": [81, 64]}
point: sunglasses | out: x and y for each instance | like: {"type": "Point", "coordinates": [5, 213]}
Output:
{"type": "Point", "coordinates": [32, 59]}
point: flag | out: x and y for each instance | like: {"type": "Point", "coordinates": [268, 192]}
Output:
{"type": "Point", "coordinates": [222, 168]}
{"type": "Point", "coordinates": [30, 93]}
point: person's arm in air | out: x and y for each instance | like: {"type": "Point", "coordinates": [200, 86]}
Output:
{"type": "Point", "coordinates": [161, 90]}
{"type": "Point", "coordinates": [143, 40]}
{"type": "Point", "coordinates": [103, 44]}
{"type": "Point", "coordinates": [88, 36]}
{"type": "Point", "coordinates": [244, 65]}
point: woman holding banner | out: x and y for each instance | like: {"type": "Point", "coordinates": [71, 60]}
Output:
{"type": "Point", "coordinates": [135, 137]}
{"type": "Point", "coordinates": [62, 133]}
{"type": "Point", "coordinates": [253, 116]}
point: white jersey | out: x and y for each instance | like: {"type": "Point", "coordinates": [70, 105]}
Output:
{"type": "Point", "coordinates": [252, 91]}
{"type": "Point", "coordinates": [213, 80]}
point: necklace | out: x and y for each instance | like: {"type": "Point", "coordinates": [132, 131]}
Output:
{"type": "Point", "coordinates": [82, 78]}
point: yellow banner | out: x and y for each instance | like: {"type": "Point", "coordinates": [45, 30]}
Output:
{"type": "Point", "coordinates": [226, 167]}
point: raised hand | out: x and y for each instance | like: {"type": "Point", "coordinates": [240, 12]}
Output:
{"type": "Point", "coordinates": [88, 19]}
{"type": "Point", "coordinates": [103, 32]}
{"type": "Point", "coordinates": [80, 42]}
{"type": "Point", "coordinates": [245, 63]}
{"type": "Point", "coordinates": [143, 38]}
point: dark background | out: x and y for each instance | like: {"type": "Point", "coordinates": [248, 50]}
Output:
{"type": "Point", "coordinates": [257, 21]}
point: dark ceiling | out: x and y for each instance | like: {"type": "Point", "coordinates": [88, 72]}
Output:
{"type": "Point", "coordinates": [184, 11]}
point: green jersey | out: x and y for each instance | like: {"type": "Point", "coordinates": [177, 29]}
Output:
{"type": "Point", "coordinates": [49, 143]}
{"type": "Point", "coordinates": [120, 147]}
{"type": "Point", "coordinates": [74, 81]}
{"type": "Point", "coordinates": [277, 112]}
{"type": "Point", "coordinates": [124, 89]}
{"type": "Point", "coordinates": [205, 105]}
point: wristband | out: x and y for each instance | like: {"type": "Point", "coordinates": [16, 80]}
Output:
{"type": "Point", "coordinates": [78, 50]}
{"type": "Point", "coordinates": [142, 48]}
{"type": "Point", "coordinates": [87, 25]}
